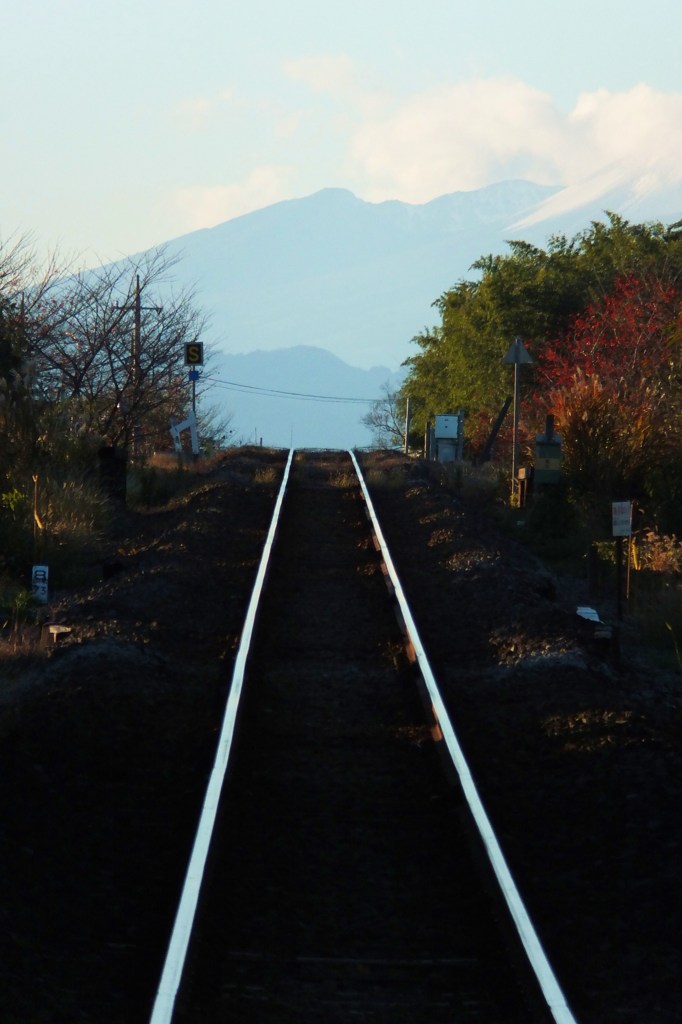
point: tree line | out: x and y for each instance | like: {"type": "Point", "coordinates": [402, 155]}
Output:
{"type": "Point", "coordinates": [90, 362]}
{"type": "Point", "coordinates": [600, 314]}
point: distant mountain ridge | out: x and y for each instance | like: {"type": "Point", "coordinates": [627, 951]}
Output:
{"type": "Point", "coordinates": [334, 272]}
{"type": "Point", "coordinates": [359, 279]}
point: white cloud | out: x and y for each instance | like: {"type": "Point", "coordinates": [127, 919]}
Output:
{"type": "Point", "coordinates": [458, 137]}
{"type": "Point", "coordinates": [463, 136]}
{"type": "Point", "coordinates": [195, 110]}
{"type": "Point", "coordinates": [625, 147]}
{"type": "Point", "coordinates": [341, 78]}
{"type": "Point", "coordinates": [642, 125]}
{"type": "Point", "coordinates": [203, 206]}
{"type": "Point", "coordinates": [330, 73]}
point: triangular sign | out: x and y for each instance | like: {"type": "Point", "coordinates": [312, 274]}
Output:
{"type": "Point", "coordinates": [518, 353]}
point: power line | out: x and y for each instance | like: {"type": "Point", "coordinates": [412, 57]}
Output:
{"type": "Point", "coordinates": [231, 385]}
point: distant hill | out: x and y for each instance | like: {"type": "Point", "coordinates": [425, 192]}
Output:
{"type": "Point", "coordinates": [302, 396]}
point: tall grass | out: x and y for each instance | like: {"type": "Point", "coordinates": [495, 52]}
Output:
{"type": "Point", "coordinates": [74, 515]}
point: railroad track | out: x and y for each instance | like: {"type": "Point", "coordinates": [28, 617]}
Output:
{"type": "Point", "coordinates": [339, 873]}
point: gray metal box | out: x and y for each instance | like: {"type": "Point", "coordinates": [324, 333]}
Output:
{"type": "Point", "coordinates": [447, 425]}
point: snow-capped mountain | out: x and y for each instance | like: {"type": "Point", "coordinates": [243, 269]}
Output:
{"type": "Point", "coordinates": [335, 272]}
{"type": "Point", "coordinates": [651, 193]}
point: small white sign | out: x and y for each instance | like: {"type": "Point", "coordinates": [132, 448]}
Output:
{"type": "Point", "coordinates": [39, 583]}
{"type": "Point", "coordinates": [621, 513]}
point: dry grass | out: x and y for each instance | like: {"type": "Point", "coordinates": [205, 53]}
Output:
{"type": "Point", "coordinates": [482, 484]}
{"type": "Point", "coordinates": [266, 476]}
{"type": "Point", "coordinates": [390, 479]}
{"type": "Point", "coordinates": [74, 517]}
{"type": "Point", "coordinates": [343, 479]}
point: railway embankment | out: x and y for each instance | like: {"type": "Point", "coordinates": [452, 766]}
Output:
{"type": "Point", "coordinates": [108, 736]}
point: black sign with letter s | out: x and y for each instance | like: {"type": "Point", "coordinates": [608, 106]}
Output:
{"type": "Point", "coordinates": [194, 353]}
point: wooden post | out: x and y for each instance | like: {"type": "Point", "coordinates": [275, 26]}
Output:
{"type": "Point", "coordinates": [621, 514]}
{"type": "Point", "coordinates": [135, 368]}
{"type": "Point", "coordinates": [619, 578]}
{"type": "Point", "coordinates": [37, 522]}
{"type": "Point", "coordinates": [515, 437]}
{"type": "Point", "coordinates": [487, 451]}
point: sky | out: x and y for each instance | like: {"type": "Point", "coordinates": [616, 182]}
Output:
{"type": "Point", "coordinates": [126, 125]}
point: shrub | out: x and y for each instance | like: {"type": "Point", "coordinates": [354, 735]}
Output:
{"type": "Point", "coordinates": [66, 533]}
{"type": "Point", "coordinates": [153, 486]}
{"type": "Point", "coordinates": [657, 552]}
{"type": "Point", "coordinates": [554, 526]}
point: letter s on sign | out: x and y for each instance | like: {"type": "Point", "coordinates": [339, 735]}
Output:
{"type": "Point", "coordinates": [194, 353]}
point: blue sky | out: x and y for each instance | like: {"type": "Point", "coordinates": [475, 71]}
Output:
{"type": "Point", "coordinates": [125, 125]}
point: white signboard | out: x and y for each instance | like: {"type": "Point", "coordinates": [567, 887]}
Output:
{"type": "Point", "coordinates": [39, 583]}
{"type": "Point", "coordinates": [621, 512]}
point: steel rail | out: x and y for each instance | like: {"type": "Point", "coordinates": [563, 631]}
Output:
{"type": "Point", "coordinates": [547, 981]}
{"type": "Point", "coordinates": [184, 919]}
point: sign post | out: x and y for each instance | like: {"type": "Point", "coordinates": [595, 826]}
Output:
{"type": "Point", "coordinates": [194, 356]}
{"type": "Point", "coordinates": [621, 516]}
{"type": "Point", "coordinates": [517, 355]}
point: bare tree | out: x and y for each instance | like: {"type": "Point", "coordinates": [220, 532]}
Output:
{"type": "Point", "coordinates": [386, 418]}
{"type": "Point", "coordinates": [25, 286]}
{"type": "Point", "coordinates": [110, 349]}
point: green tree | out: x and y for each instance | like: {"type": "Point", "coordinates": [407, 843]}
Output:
{"type": "Point", "coordinates": [533, 293]}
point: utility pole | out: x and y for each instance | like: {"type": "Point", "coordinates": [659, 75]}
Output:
{"type": "Point", "coordinates": [137, 331]}
{"type": "Point", "coordinates": [135, 353]}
